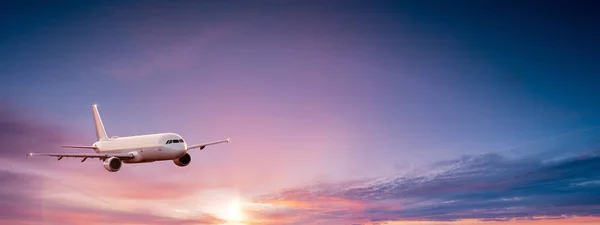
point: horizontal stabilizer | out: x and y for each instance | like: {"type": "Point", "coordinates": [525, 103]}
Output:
{"type": "Point", "coordinates": [78, 146]}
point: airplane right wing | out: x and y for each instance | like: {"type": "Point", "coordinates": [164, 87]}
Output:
{"type": "Point", "coordinates": [84, 155]}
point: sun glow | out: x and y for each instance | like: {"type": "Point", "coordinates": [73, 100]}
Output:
{"type": "Point", "coordinates": [234, 211]}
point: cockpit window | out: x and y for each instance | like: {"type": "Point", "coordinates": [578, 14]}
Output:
{"type": "Point", "coordinates": [175, 141]}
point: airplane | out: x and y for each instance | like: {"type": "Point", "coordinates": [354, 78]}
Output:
{"type": "Point", "coordinates": [115, 151]}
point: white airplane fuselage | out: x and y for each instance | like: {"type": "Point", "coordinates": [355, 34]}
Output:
{"type": "Point", "coordinates": [145, 148]}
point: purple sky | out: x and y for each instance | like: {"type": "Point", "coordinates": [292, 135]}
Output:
{"type": "Point", "coordinates": [308, 91]}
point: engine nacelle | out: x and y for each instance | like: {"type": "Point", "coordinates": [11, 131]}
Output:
{"type": "Point", "coordinates": [183, 160]}
{"type": "Point", "coordinates": [112, 164]}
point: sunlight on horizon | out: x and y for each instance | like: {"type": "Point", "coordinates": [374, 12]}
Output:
{"type": "Point", "coordinates": [234, 212]}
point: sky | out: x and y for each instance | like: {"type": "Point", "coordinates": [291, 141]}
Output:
{"type": "Point", "coordinates": [339, 112]}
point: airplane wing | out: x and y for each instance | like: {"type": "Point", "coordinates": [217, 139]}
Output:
{"type": "Point", "coordinates": [202, 146]}
{"type": "Point", "coordinates": [100, 156]}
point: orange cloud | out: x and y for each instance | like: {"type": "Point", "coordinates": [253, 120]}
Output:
{"type": "Point", "coordinates": [320, 202]}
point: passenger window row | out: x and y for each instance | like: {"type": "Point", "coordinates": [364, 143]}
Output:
{"type": "Point", "coordinates": [175, 141]}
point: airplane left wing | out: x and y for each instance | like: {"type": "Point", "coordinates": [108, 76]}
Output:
{"type": "Point", "coordinates": [84, 155]}
{"type": "Point", "coordinates": [202, 146]}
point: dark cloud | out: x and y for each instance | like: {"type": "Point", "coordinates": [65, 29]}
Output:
{"type": "Point", "coordinates": [487, 187]}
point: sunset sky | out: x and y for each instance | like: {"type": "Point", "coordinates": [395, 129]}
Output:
{"type": "Point", "coordinates": [339, 112]}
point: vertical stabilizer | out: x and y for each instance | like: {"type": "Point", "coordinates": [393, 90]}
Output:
{"type": "Point", "coordinates": [100, 132]}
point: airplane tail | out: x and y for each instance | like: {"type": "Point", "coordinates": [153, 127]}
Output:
{"type": "Point", "coordinates": [100, 132]}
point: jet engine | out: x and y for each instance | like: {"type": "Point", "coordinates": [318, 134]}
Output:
{"type": "Point", "coordinates": [183, 160]}
{"type": "Point", "coordinates": [112, 164]}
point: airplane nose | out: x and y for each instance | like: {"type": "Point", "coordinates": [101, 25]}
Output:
{"type": "Point", "coordinates": [180, 151]}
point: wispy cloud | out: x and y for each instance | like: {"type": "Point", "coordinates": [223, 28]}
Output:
{"type": "Point", "coordinates": [23, 202]}
{"type": "Point", "coordinates": [19, 134]}
{"type": "Point", "coordinates": [486, 187]}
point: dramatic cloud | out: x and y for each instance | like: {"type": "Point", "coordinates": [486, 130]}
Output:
{"type": "Point", "coordinates": [486, 187]}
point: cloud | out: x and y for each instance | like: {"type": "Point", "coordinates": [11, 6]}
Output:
{"type": "Point", "coordinates": [19, 134]}
{"type": "Point", "coordinates": [22, 202]}
{"type": "Point", "coordinates": [17, 196]}
{"type": "Point", "coordinates": [486, 187]}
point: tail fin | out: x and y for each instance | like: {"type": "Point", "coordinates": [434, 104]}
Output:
{"type": "Point", "coordinates": [100, 132]}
